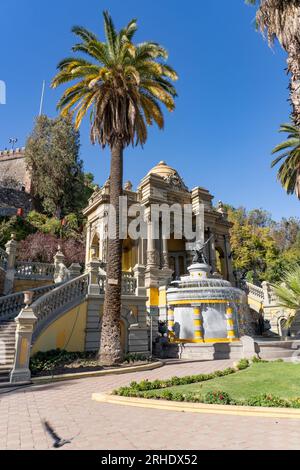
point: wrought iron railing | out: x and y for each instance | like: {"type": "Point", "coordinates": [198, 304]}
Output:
{"type": "Point", "coordinates": [11, 305]}
{"type": "Point", "coordinates": [29, 270]}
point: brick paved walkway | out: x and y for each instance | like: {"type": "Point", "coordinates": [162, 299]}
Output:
{"type": "Point", "coordinates": [69, 408]}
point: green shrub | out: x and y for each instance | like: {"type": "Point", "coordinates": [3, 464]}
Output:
{"type": "Point", "coordinates": [136, 357]}
{"type": "Point", "coordinates": [50, 360]}
{"type": "Point", "coordinates": [268, 401]}
{"type": "Point", "coordinates": [217, 397]}
{"type": "Point", "coordinates": [146, 385]}
{"type": "Point", "coordinates": [295, 402]}
{"type": "Point", "coordinates": [243, 364]}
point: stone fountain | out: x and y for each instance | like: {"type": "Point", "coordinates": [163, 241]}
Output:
{"type": "Point", "coordinates": [205, 314]}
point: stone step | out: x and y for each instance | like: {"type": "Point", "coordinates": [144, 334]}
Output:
{"type": "Point", "coordinates": [4, 369]}
{"type": "Point", "coordinates": [6, 359]}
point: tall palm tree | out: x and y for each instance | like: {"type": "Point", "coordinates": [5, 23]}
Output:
{"type": "Point", "coordinates": [288, 293]}
{"type": "Point", "coordinates": [281, 20]}
{"type": "Point", "coordinates": [289, 171]}
{"type": "Point", "coordinates": [123, 84]}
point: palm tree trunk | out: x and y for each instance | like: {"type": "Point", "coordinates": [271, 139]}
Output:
{"type": "Point", "coordinates": [294, 69]}
{"type": "Point", "coordinates": [110, 345]}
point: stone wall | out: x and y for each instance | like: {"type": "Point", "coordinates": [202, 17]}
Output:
{"type": "Point", "coordinates": [13, 172]}
{"type": "Point", "coordinates": [12, 199]}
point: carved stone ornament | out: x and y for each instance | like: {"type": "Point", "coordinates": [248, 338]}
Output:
{"type": "Point", "coordinates": [176, 182]}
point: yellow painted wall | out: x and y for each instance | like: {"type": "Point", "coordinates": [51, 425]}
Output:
{"type": "Point", "coordinates": [57, 335]}
{"type": "Point", "coordinates": [21, 285]}
{"type": "Point", "coordinates": [153, 297]}
{"type": "Point", "coordinates": [162, 298]}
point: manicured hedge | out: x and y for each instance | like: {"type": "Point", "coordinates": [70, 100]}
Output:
{"type": "Point", "coordinates": [147, 389]}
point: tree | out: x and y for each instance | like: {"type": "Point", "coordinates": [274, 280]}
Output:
{"type": "Point", "coordinates": [253, 246]}
{"type": "Point", "coordinates": [52, 154]}
{"type": "Point", "coordinates": [123, 84]}
{"type": "Point", "coordinates": [281, 20]}
{"type": "Point", "coordinates": [42, 247]}
{"type": "Point", "coordinates": [289, 171]}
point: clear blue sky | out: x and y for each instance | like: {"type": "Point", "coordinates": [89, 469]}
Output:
{"type": "Point", "coordinates": [232, 90]}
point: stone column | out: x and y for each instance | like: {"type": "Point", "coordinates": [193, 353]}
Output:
{"type": "Point", "coordinates": [230, 324]}
{"type": "Point", "coordinates": [171, 319]}
{"type": "Point", "coordinates": [93, 267]}
{"type": "Point", "coordinates": [165, 254]}
{"type": "Point", "coordinates": [139, 274]}
{"type": "Point", "coordinates": [25, 323]}
{"type": "Point", "coordinates": [151, 250]}
{"type": "Point", "coordinates": [88, 242]}
{"type": "Point", "coordinates": [198, 325]}
{"type": "Point", "coordinates": [11, 250]}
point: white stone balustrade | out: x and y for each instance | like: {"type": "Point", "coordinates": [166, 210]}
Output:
{"type": "Point", "coordinates": [34, 271]}
{"type": "Point", "coordinates": [11, 305]}
{"type": "Point", "coordinates": [59, 300]}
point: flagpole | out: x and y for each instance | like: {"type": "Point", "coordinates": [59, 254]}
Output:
{"type": "Point", "coordinates": [42, 98]}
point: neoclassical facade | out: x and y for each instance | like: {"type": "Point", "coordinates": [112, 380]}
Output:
{"type": "Point", "coordinates": [162, 259]}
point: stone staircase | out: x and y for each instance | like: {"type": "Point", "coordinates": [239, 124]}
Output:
{"type": "Point", "coordinates": [272, 349]}
{"type": "Point", "coordinates": [7, 349]}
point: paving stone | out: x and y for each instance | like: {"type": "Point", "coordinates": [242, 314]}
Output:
{"type": "Point", "coordinates": [72, 413]}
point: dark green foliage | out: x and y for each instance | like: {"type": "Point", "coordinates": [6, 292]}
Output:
{"type": "Point", "coordinates": [59, 185]}
{"type": "Point", "coordinates": [22, 228]}
{"type": "Point", "coordinates": [47, 361]}
{"type": "Point", "coordinates": [135, 357]}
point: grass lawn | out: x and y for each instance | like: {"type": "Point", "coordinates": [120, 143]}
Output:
{"type": "Point", "coordinates": [279, 379]}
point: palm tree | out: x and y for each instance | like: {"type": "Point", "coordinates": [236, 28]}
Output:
{"type": "Point", "coordinates": [288, 293]}
{"type": "Point", "coordinates": [123, 84]}
{"type": "Point", "coordinates": [289, 171]}
{"type": "Point", "coordinates": [281, 20]}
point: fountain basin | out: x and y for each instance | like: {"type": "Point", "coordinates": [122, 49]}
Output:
{"type": "Point", "coordinates": [203, 309]}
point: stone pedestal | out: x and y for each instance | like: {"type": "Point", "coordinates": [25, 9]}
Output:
{"type": "Point", "coordinates": [74, 270]}
{"type": "Point", "coordinates": [25, 323]}
{"type": "Point", "coordinates": [139, 274]}
{"type": "Point", "coordinates": [93, 268]}
{"type": "Point", "coordinates": [60, 269]}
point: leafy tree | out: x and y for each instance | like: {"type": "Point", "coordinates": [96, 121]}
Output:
{"type": "Point", "coordinates": [52, 154]}
{"type": "Point", "coordinates": [252, 245]}
{"type": "Point", "coordinates": [42, 247]}
{"type": "Point", "coordinates": [15, 224]}
{"type": "Point", "coordinates": [286, 233]}
{"type": "Point", "coordinates": [123, 84]}
{"type": "Point", "coordinates": [289, 171]}
{"type": "Point", "coordinates": [263, 249]}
